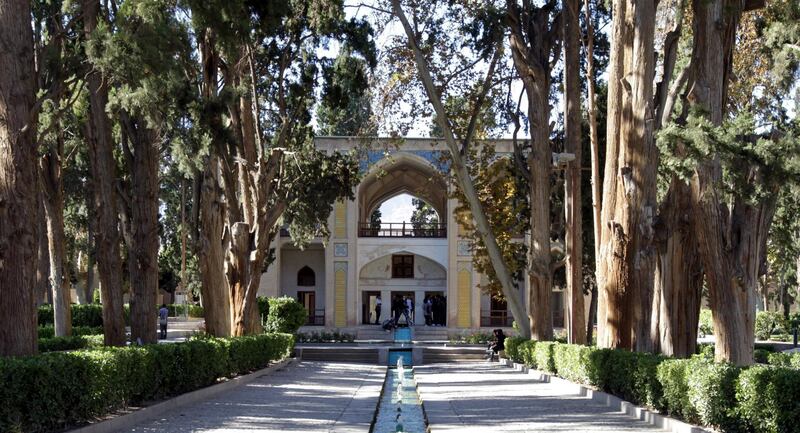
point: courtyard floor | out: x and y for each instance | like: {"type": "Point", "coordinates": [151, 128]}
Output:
{"type": "Point", "coordinates": [458, 397]}
{"type": "Point", "coordinates": [302, 397]}
{"type": "Point", "coordinates": [486, 397]}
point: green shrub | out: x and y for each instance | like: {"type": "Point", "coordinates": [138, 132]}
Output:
{"type": "Point", "coordinates": [263, 308]}
{"type": "Point", "coordinates": [706, 323]}
{"type": "Point", "coordinates": [54, 390]}
{"type": "Point", "coordinates": [768, 323]}
{"type": "Point", "coordinates": [512, 348]}
{"type": "Point", "coordinates": [56, 344]}
{"type": "Point", "coordinates": [769, 399]}
{"type": "Point", "coordinates": [712, 393]}
{"type": "Point", "coordinates": [543, 355]}
{"type": "Point", "coordinates": [706, 350]}
{"type": "Point", "coordinates": [761, 356]}
{"type": "Point", "coordinates": [82, 315]}
{"type": "Point", "coordinates": [177, 310]}
{"type": "Point", "coordinates": [572, 362]}
{"type": "Point", "coordinates": [325, 337]}
{"type": "Point", "coordinates": [471, 338]}
{"type": "Point", "coordinates": [49, 332]}
{"type": "Point", "coordinates": [672, 374]}
{"type": "Point", "coordinates": [285, 315]}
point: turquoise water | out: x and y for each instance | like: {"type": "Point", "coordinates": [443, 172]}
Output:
{"type": "Point", "coordinates": [400, 409]}
{"type": "Point", "coordinates": [403, 354]}
{"type": "Point", "coordinates": [402, 335]}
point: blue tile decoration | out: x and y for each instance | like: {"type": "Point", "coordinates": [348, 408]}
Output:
{"type": "Point", "coordinates": [340, 250]}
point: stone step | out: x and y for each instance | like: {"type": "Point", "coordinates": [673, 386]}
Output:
{"type": "Point", "coordinates": [432, 355]}
{"type": "Point", "coordinates": [344, 354]}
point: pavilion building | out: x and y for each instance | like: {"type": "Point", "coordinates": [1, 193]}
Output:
{"type": "Point", "coordinates": [339, 280]}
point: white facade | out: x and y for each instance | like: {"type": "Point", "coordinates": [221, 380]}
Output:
{"type": "Point", "coordinates": [355, 264]}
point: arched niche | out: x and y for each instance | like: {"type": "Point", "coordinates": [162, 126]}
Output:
{"type": "Point", "coordinates": [402, 173]}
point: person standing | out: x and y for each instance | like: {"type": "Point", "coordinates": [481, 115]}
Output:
{"type": "Point", "coordinates": [409, 311]}
{"type": "Point", "coordinates": [427, 307]}
{"type": "Point", "coordinates": [378, 309]}
{"type": "Point", "coordinates": [163, 313]}
{"type": "Point", "coordinates": [398, 307]}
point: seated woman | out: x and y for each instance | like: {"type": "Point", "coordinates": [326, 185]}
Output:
{"type": "Point", "coordinates": [497, 344]}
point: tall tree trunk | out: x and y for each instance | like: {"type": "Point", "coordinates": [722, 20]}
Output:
{"type": "Point", "coordinates": [211, 253]}
{"type": "Point", "coordinates": [18, 181]}
{"type": "Point", "coordinates": [532, 39]}
{"type": "Point", "coordinates": [576, 320]}
{"type": "Point", "coordinates": [42, 293]}
{"type": "Point", "coordinates": [627, 259]}
{"type": "Point", "coordinates": [91, 251]}
{"type": "Point", "coordinates": [144, 232]}
{"type": "Point", "coordinates": [731, 237]}
{"type": "Point", "coordinates": [465, 182]}
{"type": "Point", "coordinates": [592, 315]}
{"type": "Point", "coordinates": [679, 276]}
{"type": "Point", "coordinates": [594, 140]}
{"type": "Point", "coordinates": [53, 188]}
{"type": "Point", "coordinates": [103, 172]}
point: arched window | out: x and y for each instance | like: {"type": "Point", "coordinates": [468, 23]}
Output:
{"type": "Point", "coordinates": [306, 277]}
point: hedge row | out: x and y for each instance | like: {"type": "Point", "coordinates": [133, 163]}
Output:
{"type": "Point", "coordinates": [48, 331]}
{"type": "Point", "coordinates": [92, 314]}
{"type": "Point", "coordinates": [54, 390]}
{"type": "Point", "coordinates": [75, 342]}
{"type": "Point", "coordinates": [755, 399]}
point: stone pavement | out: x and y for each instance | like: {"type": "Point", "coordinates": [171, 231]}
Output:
{"type": "Point", "coordinates": [302, 397]}
{"type": "Point", "coordinates": [484, 397]}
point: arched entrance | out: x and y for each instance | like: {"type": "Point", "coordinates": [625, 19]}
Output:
{"type": "Point", "coordinates": [394, 176]}
{"type": "Point", "coordinates": [403, 274]}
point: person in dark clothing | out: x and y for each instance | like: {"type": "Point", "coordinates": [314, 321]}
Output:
{"type": "Point", "coordinates": [163, 313]}
{"type": "Point", "coordinates": [497, 344]}
{"type": "Point", "coordinates": [427, 307]}
{"type": "Point", "coordinates": [378, 303]}
{"type": "Point", "coordinates": [398, 306]}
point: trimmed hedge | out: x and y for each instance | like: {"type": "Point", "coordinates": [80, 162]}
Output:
{"type": "Point", "coordinates": [75, 342]}
{"type": "Point", "coordinates": [49, 332]}
{"type": "Point", "coordinates": [91, 315]}
{"type": "Point", "coordinates": [55, 390]}
{"type": "Point", "coordinates": [285, 314]}
{"type": "Point", "coordinates": [755, 399]}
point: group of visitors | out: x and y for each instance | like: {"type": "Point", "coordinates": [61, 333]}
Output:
{"type": "Point", "coordinates": [434, 309]}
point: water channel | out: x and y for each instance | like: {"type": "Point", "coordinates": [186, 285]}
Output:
{"type": "Point", "coordinates": [399, 408]}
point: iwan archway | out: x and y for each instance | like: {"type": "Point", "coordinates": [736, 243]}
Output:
{"type": "Point", "coordinates": [402, 273]}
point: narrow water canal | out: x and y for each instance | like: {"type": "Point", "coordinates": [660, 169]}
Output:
{"type": "Point", "coordinates": [399, 408]}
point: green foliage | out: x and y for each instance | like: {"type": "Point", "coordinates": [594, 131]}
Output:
{"type": "Point", "coordinates": [285, 315]}
{"type": "Point", "coordinates": [768, 323]}
{"type": "Point", "coordinates": [769, 399]}
{"type": "Point", "coordinates": [82, 315]}
{"type": "Point", "coordinates": [472, 338]}
{"type": "Point", "coordinates": [176, 310]}
{"type": "Point", "coordinates": [49, 332]}
{"type": "Point", "coordinates": [325, 337]}
{"type": "Point", "coordinates": [712, 393]}
{"type": "Point", "coordinates": [263, 308]}
{"type": "Point", "coordinates": [706, 322]}
{"type": "Point", "coordinates": [75, 342]}
{"type": "Point", "coordinates": [543, 356]}
{"type": "Point", "coordinates": [512, 350]}
{"type": "Point", "coordinates": [698, 390]}
{"type": "Point", "coordinates": [672, 374]}
{"type": "Point", "coordinates": [55, 390]}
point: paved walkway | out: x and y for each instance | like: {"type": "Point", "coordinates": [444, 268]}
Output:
{"type": "Point", "coordinates": [302, 397]}
{"type": "Point", "coordinates": [483, 397]}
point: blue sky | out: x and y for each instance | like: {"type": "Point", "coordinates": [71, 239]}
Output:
{"type": "Point", "coordinates": [397, 209]}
